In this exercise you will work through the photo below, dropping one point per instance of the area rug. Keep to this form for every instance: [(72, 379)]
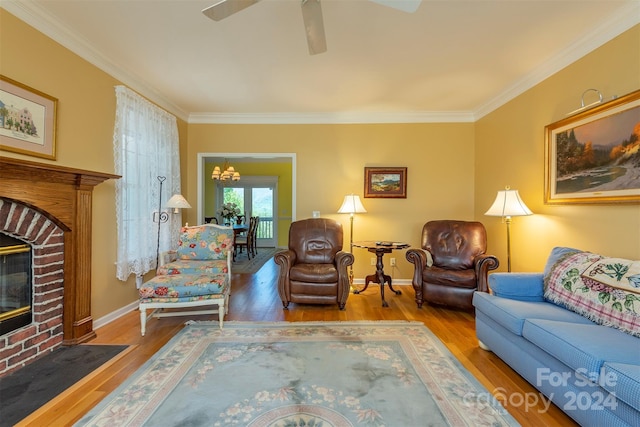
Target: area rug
[(29, 388), (244, 265), (301, 374)]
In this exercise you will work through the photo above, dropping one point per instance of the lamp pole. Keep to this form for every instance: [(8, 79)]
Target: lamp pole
[(351, 248), (351, 205), (507, 220)]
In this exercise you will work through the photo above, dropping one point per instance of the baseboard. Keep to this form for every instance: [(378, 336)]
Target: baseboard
[(105, 320), (399, 282)]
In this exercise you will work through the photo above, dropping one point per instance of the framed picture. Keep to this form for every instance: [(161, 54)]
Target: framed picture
[(27, 120), (594, 156), (388, 183)]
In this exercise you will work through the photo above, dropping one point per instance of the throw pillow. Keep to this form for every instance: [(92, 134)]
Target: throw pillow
[(204, 242), (574, 283), (556, 255)]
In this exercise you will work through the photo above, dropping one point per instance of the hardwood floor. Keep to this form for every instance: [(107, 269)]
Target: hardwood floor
[(255, 298)]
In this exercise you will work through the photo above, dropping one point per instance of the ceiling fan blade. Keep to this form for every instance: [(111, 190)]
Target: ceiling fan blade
[(225, 8), (408, 6), (314, 26)]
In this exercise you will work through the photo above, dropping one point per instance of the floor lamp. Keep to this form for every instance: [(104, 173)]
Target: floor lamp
[(351, 205), (507, 204)]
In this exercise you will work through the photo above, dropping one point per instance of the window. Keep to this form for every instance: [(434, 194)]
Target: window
[(145, 146)]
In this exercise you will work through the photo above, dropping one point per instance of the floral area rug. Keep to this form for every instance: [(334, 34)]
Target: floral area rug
[(301, 374)]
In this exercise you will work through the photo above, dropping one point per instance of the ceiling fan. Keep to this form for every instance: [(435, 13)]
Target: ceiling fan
[(311, 15)]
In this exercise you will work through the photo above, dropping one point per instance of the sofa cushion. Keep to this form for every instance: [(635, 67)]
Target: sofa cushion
[(622, 379), (519, 286), (213, 266), (208, 241), (584, 348), (571, 284), (314, 273), (184, 287), (512, 313), (448, 277)]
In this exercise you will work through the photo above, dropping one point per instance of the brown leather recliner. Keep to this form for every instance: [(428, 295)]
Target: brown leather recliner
[(314, 268), (460, 265)]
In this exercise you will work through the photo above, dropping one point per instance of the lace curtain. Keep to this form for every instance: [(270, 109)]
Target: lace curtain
[(145, 146)]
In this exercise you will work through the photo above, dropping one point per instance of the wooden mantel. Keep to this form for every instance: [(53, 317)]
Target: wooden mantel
[(64, 195)]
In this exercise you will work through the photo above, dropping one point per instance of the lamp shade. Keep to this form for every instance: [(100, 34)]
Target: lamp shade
[(352, 204), (507, 204), (177, 201)]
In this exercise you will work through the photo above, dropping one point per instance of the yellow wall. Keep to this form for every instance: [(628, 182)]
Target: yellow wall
[(454, 170), (510, 151), (86, 115), (330, 164)]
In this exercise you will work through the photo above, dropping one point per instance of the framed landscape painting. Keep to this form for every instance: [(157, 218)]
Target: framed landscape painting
[(594, 156), (27, 120), (385, 182)]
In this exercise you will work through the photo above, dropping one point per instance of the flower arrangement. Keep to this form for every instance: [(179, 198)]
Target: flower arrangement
[(228, 211)]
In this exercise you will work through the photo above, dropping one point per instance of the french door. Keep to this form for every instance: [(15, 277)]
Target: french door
[(255, 196)]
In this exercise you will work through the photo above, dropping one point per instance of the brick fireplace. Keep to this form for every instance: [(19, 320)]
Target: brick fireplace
[(49, 207)]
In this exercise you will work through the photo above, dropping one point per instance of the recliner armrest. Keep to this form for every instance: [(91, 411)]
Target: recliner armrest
[(517, 286), (285, 259), (418, 258), (344, 259)]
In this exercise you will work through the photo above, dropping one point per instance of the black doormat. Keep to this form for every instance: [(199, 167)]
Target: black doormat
[(29, 388)]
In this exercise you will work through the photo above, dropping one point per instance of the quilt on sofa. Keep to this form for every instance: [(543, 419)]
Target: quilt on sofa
[(605, 290)]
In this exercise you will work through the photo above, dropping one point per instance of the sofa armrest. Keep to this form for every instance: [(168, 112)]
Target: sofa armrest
[(517, 286), (483, 264)]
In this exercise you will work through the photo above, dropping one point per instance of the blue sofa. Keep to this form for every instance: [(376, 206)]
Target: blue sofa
[(589, 370)]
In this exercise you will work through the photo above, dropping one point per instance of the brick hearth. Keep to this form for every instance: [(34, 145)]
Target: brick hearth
[(47, 244)]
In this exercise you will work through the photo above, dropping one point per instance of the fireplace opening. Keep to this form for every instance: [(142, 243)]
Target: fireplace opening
[(15, 284)]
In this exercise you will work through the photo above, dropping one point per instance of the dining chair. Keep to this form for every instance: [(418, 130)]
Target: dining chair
[(247, 241), (254, 236)]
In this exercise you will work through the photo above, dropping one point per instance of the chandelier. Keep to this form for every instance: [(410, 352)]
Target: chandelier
[(227, 173)]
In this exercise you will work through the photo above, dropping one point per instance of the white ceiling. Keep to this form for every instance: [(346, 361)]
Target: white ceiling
[(452, 60)]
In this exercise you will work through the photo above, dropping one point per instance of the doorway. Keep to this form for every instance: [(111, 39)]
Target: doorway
[(259, 166), (255, 196)]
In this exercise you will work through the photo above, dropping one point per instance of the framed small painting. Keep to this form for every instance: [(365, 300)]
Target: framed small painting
[(388, 183), (27, 120), (594, 156)]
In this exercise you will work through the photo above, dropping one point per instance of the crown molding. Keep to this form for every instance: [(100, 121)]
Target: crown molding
[(621, 21), (333, 118), (624, 19), (33, 15)]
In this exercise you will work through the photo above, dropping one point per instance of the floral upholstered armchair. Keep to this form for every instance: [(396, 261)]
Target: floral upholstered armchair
[(202, 249), (197, 274)]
